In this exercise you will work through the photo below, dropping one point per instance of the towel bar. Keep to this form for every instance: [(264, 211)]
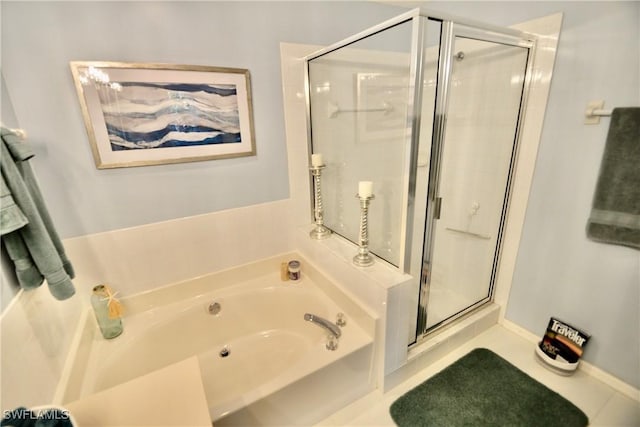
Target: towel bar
[(469, 233), (600, 113), (594, 111), (333, 109)]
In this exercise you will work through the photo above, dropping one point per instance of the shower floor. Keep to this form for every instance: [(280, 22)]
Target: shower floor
[(603, 405)]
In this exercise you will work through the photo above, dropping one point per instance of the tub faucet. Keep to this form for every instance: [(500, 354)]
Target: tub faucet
[(324, 323)]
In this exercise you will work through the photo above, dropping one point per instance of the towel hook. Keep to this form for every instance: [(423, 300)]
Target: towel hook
[(20, 132)]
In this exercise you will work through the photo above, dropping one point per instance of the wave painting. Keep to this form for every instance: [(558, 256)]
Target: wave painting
[(157, 115)]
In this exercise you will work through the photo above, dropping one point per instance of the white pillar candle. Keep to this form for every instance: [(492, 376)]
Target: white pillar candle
[(316, 160), (365, 188)]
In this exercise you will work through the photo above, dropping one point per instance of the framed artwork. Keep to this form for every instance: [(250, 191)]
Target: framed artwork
[(149, 114)]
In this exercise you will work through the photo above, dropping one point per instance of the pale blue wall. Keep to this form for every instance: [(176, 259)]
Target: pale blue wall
[(559, 272), (40, 38)]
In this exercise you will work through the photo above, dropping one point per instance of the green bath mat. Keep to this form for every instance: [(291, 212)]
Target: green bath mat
[(482, 389)]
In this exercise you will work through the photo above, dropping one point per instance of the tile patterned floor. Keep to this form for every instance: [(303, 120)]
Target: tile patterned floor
[(604, 406)]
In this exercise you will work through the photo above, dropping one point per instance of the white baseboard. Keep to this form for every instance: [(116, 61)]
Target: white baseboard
[(612, 381)]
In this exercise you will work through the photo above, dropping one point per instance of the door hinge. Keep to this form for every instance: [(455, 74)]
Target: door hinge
[(437, 207)]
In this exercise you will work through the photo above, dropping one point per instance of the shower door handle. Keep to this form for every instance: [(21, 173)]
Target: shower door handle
[(437, 206)]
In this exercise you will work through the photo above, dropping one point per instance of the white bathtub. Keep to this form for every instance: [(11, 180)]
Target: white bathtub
[(273, 353)]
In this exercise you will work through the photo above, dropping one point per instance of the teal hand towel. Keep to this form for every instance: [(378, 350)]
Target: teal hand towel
[(11, 217), (26, 270), (35, 248), (615, 214)]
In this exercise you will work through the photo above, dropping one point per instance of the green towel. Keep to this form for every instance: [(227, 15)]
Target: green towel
[(11, 217), (615, 214), (35, 248)]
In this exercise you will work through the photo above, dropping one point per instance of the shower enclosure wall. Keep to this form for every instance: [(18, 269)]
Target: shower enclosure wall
[(428, 109)]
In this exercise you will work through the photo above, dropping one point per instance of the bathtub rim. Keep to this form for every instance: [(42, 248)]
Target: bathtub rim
[(172, 292), (70, 385), (108, 355)]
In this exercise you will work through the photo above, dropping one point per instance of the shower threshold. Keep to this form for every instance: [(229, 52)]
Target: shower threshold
[(442, 341)]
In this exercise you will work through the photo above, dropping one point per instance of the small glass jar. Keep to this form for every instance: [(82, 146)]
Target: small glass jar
[(294, 270), (110, 327)]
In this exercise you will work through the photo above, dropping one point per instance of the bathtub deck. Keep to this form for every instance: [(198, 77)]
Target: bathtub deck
[(173, 396), (603, 405)]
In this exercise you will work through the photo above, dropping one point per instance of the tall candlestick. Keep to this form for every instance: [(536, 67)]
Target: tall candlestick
[(364, 259), (319, 231)]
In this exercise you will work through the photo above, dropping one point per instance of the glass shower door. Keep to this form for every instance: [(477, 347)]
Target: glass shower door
[(471, 181)]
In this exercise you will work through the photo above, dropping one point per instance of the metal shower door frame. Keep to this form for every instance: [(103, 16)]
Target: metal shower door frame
[(415, 75), (451, 30), (451, 27)]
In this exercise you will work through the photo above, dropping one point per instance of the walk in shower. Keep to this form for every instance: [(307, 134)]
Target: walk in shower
[(429, 109)]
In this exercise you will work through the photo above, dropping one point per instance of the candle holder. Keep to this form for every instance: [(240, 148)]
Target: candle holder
[(364, 259), (319, 232)]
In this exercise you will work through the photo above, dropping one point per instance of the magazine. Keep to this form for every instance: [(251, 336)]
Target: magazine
[(562, 342)]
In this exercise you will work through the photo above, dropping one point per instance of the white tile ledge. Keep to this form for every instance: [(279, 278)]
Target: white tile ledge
[(381, 272)]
